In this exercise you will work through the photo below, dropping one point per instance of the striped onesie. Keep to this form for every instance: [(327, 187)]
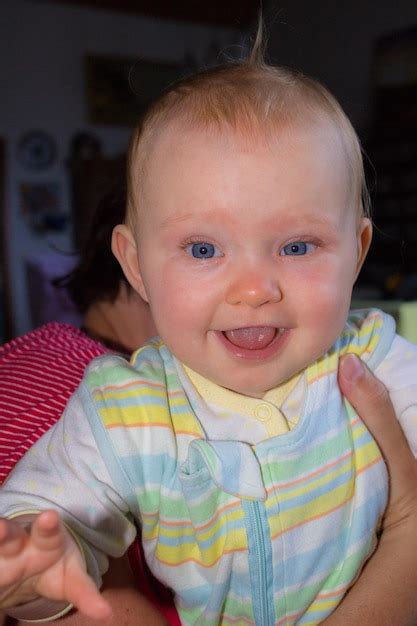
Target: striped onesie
[(267, 532)]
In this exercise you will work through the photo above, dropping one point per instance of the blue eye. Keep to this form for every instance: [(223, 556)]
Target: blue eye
[(203, 250), (297, 248)]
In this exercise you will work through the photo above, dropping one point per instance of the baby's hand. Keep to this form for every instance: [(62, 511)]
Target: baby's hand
[(45, 561)]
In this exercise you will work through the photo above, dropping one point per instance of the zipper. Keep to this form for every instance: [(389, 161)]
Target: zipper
[(260, 564)]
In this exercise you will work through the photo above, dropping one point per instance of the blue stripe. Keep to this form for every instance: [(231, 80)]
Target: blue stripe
[(306, 497), (327, 556)]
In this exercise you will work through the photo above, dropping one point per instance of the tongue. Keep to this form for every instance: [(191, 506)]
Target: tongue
[(252, 338)]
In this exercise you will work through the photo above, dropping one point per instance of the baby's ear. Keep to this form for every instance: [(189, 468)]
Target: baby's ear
[(124, 248), (364, 238)]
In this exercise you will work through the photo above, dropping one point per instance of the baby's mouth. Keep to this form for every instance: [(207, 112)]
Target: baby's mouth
[(252, 337)]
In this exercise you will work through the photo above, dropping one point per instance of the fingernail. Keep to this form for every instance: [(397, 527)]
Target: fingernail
[(352, 367)]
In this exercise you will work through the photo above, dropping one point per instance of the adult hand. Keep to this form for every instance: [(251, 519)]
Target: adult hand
[(386, 591)]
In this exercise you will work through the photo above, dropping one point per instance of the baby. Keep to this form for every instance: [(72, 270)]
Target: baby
[(258, 491)]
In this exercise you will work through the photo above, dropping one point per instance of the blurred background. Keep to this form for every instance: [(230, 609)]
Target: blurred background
[(75, 74)]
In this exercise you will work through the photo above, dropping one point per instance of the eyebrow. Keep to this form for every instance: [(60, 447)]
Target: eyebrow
[(288, 222), (312, 219), (300, 222), (175, 219)]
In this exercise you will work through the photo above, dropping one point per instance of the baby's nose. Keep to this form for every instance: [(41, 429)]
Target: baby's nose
[(254, 289)]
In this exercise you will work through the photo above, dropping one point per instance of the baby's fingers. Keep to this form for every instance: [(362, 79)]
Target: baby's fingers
[(12, 538), (83, 593), (47, 533)]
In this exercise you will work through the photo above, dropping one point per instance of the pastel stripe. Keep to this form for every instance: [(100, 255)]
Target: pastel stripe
[(321, 491)]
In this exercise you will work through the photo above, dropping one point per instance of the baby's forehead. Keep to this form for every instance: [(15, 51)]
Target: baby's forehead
[(179, 137), (246, 104), (185, 164)]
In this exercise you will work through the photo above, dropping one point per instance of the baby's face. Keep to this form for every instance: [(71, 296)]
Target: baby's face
[(248, 251)]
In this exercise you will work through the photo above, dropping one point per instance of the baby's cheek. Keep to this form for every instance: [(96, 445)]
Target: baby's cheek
[(328, 303)]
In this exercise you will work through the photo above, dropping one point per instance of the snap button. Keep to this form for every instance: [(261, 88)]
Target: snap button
[(263, 412)]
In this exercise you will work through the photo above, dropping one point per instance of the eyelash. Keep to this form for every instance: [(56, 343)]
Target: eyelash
[(297, 242), (199, 241)]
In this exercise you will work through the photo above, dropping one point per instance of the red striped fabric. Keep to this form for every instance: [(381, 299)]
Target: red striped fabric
[(38, 373)]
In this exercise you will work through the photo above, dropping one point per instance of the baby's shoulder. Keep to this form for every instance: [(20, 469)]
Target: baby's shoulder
[(146, 366), (398, 370), (369, 333)]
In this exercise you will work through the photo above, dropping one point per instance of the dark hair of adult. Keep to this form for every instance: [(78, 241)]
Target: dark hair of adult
[(98, 274)]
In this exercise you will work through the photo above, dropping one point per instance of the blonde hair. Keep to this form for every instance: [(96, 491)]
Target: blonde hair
[(246, 96)]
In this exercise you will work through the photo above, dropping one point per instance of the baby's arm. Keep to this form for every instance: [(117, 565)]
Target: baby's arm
[(66, 472), (39, 562)]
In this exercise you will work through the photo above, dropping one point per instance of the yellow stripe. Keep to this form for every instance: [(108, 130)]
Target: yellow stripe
[(178, 555), (130, 416), (325, 504), (319, 482)]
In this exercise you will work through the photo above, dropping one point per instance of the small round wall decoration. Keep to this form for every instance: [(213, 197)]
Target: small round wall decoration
[(36, 150)]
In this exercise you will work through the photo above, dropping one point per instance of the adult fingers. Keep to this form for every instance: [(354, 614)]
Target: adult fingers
[(371, 401)]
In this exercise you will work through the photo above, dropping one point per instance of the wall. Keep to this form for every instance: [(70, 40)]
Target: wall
[(41, 54), (41, 68), (333, 41)]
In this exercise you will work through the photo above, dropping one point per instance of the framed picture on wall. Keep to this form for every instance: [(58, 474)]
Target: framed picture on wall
[(41, 204), (119, 88)]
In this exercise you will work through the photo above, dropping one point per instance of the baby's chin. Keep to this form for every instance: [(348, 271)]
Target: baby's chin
[(253, 390)]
